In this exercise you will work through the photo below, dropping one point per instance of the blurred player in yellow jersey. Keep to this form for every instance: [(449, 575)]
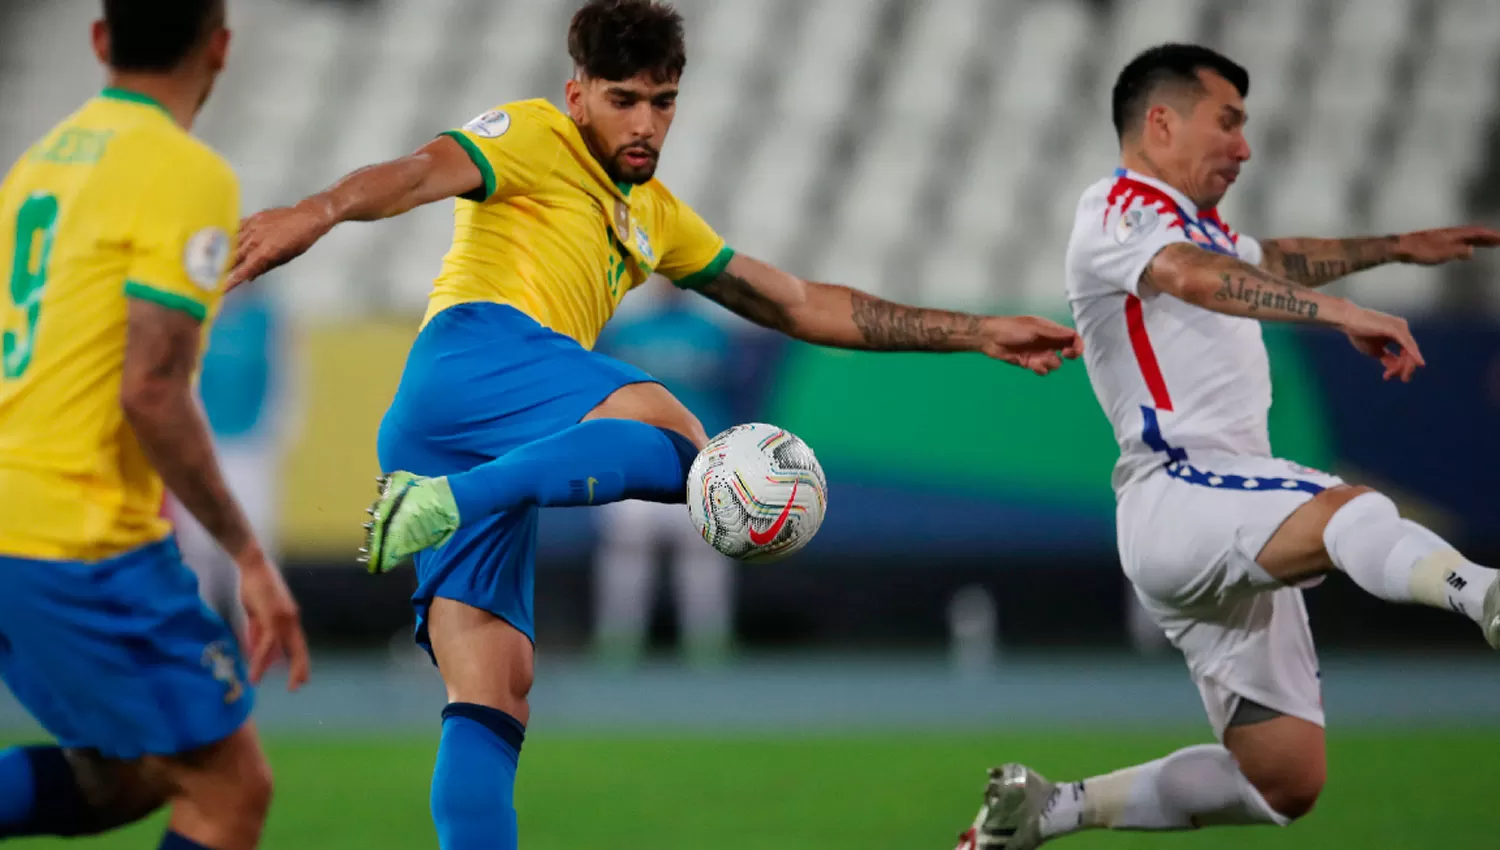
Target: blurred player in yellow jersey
[(503, 406), (116, 229)]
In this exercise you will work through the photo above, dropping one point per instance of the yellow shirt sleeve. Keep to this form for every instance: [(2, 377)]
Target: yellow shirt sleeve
[(695, 254), (183, 236), (513, 147)]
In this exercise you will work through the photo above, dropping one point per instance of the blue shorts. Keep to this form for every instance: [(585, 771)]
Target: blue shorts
[(482, 379), (120, 655)]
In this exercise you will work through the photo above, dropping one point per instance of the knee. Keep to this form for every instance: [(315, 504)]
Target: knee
[(1339, 496), (1293, 794), (257, 786)]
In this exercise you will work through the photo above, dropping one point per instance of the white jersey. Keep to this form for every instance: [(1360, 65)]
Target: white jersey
[(1173, 378)]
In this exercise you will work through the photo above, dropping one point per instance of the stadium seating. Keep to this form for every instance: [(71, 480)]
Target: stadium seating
[(926, 149)]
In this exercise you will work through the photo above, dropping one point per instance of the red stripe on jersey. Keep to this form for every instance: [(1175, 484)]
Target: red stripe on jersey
[(1126, 192), (1145, 355)]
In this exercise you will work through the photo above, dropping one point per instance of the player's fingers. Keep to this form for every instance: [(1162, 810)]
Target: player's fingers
[(1409, 348), (299, 660), (1482, 236), (261, 655)]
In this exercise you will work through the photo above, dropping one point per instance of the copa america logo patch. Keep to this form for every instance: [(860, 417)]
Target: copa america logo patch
[(204, 258), (490, 125), (1136, 223)]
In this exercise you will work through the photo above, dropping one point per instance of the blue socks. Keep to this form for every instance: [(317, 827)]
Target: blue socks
[(473, 785), (17, 792), (37, 793), (173, 841), (591, 463)]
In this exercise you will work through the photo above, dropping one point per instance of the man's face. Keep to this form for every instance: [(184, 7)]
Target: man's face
[(625, 122), (1206, 145)]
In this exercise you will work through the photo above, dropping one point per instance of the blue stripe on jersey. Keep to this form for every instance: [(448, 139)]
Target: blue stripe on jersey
[(1151, 434), (1202, 478)]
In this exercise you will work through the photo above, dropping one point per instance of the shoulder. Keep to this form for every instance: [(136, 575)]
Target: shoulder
[(520, 115), (173, 157), (1120, 213)]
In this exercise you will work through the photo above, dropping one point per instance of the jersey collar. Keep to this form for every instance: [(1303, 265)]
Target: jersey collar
[(128, 96), (1165, 188)]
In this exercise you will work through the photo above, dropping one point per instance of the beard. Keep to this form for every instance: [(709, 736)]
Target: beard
[(623, 172)]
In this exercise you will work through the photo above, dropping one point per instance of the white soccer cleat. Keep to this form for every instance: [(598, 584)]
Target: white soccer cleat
[(1490, 620), (1011, 817)]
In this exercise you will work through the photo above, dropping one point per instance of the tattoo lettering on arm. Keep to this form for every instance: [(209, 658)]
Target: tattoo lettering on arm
[(1314, 262), (1265, 295), (894, 327)]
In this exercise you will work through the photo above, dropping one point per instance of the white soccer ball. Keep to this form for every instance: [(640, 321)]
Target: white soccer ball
[(757, 493)]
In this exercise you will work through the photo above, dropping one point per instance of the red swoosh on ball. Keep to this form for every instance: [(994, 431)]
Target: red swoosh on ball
[(761, 538)]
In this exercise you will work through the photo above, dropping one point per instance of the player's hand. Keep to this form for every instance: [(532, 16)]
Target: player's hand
[(275, 624), (1387, 339), (1443, 245), (274, 237), (1030, 342)]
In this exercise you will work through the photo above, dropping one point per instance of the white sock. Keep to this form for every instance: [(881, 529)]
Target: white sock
[(1400, 561), (1198, 786)]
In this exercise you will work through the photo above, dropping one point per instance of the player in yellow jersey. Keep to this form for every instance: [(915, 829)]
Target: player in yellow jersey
[(558, 218), (116, 230)]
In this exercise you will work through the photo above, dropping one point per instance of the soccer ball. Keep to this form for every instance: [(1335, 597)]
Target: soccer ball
[(757, 493)]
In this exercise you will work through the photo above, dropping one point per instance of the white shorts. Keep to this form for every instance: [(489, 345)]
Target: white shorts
[(1189, 535)]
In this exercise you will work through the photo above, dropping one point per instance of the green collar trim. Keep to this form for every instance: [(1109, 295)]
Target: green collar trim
[(133, 97)]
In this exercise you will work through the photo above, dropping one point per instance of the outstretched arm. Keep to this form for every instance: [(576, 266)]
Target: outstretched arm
[(441, 169), (1233, 287), (1314, 262), (841, 317)]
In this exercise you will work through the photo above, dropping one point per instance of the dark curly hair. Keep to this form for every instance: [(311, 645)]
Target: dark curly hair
[(159, 35), (619, 39)]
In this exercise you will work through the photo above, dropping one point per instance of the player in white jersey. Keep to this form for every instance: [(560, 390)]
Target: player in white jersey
[(1217, 534)]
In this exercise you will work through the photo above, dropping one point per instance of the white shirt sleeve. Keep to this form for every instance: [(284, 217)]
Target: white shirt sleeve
[(1249, 249), (1112, 246)]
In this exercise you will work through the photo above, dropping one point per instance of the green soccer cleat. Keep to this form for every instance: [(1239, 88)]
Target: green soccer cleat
[(1490, 621), (413, 513), (1011, 817)]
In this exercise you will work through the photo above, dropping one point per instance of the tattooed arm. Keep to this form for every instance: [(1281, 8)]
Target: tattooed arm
[(1314, 262), (161, 353), (841, 317), (1226, 285)]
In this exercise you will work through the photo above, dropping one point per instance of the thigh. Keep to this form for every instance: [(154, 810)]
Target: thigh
[(1190, 534), (1258, 648), (483, 379), (121, 656), (489, 565), (483, 659), (652, 404)]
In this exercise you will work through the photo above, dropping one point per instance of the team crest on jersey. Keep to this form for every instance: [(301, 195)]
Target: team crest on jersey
[(1134, 224), (622, 221), (643, 244), (490, 125), (205, 257)]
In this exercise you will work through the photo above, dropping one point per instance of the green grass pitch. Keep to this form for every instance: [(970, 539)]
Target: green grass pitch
[(904, 791)]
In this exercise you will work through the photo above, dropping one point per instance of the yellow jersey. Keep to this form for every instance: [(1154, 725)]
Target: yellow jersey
[(551, 235), (116, 202)]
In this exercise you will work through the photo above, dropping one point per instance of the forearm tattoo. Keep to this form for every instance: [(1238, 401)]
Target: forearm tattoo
[(886, 326), (1261, 294), (1313, 262)]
